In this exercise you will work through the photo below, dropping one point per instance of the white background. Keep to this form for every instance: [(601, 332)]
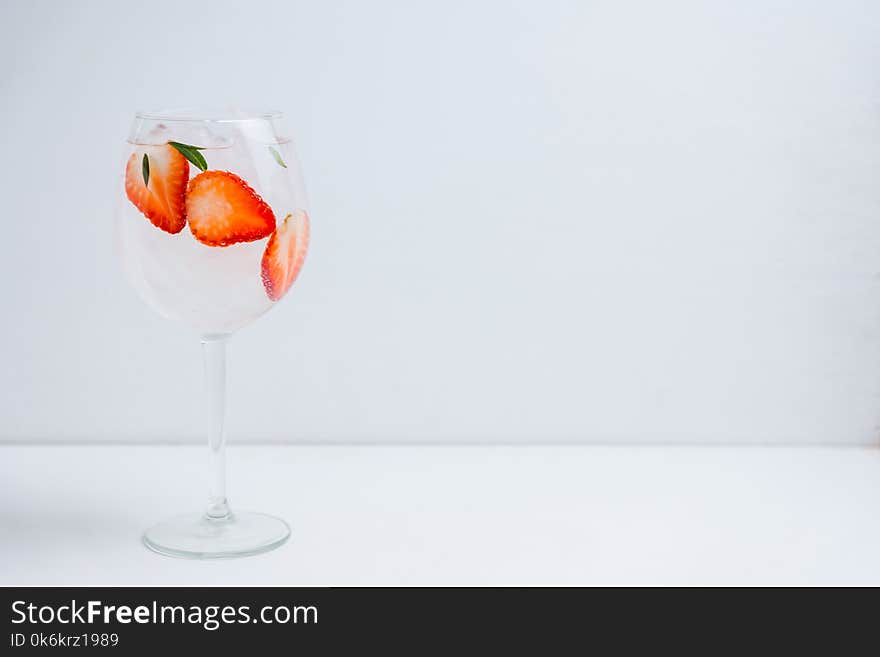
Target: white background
[(532, 221)]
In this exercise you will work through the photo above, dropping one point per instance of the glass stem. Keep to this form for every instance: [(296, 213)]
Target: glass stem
[(215, 379)]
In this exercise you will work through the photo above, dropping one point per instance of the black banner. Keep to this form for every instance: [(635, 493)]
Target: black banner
[(321, 621)]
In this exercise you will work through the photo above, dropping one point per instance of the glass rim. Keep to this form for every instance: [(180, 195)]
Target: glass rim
[(198, 114)]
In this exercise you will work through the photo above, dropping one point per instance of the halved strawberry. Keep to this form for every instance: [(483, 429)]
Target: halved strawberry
[(222, 209), (162, 199), (285, 253)]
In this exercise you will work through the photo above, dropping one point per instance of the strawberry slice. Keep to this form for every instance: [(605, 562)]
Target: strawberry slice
[(222, 209), (161, 200), (285, 253)]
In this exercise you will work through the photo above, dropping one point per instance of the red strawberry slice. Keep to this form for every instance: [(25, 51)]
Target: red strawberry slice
[(222, 209), (285, 253), (162, 199)]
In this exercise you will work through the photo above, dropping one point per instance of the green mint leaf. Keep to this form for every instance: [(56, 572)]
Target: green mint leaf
[(191, 153), (145, 169), (277, 157)]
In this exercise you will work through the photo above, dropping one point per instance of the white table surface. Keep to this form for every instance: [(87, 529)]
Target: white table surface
[(454, 515)]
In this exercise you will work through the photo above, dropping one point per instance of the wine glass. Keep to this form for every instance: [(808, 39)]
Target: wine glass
[(212, 229)]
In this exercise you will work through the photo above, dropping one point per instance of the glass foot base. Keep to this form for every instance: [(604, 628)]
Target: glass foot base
[(196, 536)]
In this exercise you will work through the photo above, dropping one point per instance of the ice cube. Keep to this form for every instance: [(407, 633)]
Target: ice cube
[(204, 134), (158, 134)]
